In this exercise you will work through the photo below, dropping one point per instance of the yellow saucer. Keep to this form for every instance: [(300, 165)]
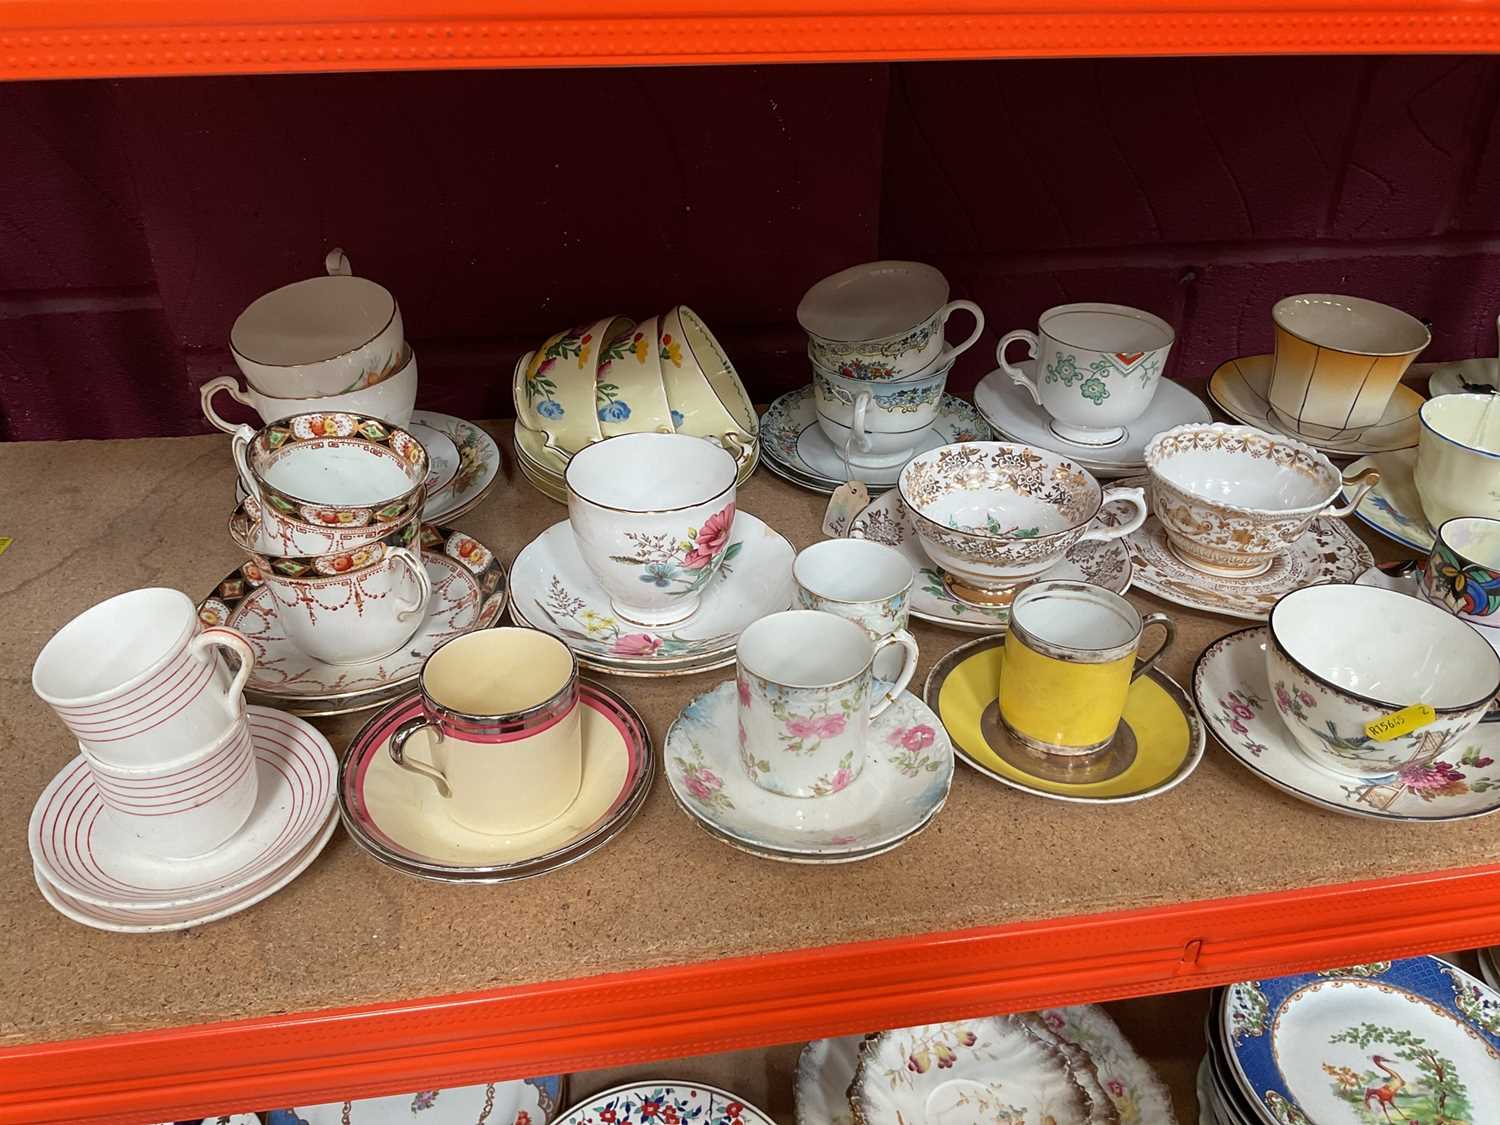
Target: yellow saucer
[(1159, 745)]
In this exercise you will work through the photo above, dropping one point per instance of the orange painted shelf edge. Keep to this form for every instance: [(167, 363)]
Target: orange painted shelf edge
[(116, 38), (742, 1002)]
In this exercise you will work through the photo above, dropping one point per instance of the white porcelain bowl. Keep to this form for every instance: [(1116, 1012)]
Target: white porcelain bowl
[(993, 514), (1233, 498), (1341, 656)]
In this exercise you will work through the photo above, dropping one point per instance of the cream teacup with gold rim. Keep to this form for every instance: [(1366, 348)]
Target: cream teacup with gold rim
[(805, 681), (390, 400), (499, 734), (1458, 457), (1070, 658)]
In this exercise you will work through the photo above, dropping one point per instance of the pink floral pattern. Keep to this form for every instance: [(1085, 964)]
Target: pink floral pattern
[(712, 538), (636, 644), (910, 744)]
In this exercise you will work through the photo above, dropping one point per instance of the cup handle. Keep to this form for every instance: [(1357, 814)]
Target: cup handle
[(404, 556), (908, 668), (1168, 636), (1017, 376), (857, 434), (239, 449), (969, 341), (1132, 496), (337, 263), (219, 636), (734, 444), (1366, 481), (397, 750), (231, 386)]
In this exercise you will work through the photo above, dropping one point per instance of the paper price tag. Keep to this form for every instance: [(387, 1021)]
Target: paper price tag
[(1404, 721), (847, 501)]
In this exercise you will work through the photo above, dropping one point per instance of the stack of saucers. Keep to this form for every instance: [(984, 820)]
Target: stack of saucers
[(1415, 1041), (1070, 1066), (664, 375), (183, 805)]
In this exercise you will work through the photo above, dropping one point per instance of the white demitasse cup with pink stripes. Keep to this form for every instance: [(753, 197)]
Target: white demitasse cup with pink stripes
[(137, 680)]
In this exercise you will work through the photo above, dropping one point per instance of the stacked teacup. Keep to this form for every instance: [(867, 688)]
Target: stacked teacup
[(332, 527), (880, 356), (333, 343)]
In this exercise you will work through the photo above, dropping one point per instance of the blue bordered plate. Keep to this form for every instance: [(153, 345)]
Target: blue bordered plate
[(1415, 1040)]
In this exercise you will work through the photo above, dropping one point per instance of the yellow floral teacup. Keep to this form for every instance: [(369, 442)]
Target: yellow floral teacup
[(629, 397), (555, 392), (706, 396)]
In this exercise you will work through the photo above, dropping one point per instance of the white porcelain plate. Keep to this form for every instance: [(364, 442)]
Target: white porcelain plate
[(1239, 388), (1233, 694), (83, 854), (1327, 552), (796, 447), (554, 590), (887, 521), (1009, 409), (907, 772), (468, 593), (1393, 506), (658, 1103)]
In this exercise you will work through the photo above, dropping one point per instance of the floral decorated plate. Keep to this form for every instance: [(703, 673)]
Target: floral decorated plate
[(908, 770), (1327, 552), (1010, 411), (887, 521), (468, 592), (1393, 506), (1234, 697), (464, 468), (995, 1069), (665, 1103), (792, 440), (554, 590), (1128, 1080), (1416, 1040), (1239, 388), (398, 816), (534, 1101), (1158, 745)]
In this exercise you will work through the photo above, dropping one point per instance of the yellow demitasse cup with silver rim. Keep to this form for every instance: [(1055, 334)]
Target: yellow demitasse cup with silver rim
[(1070, 658)]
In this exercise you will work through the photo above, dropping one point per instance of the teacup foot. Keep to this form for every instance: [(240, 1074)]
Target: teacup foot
[(980, 597), (675, 615), (1110, 760), (1084, 435), (1216, 569)]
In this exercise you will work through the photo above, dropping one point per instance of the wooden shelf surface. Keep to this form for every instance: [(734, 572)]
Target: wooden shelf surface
[(115, 38), (356, 980)]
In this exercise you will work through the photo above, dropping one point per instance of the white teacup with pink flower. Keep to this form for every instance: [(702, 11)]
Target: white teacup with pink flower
[(805, 682), (652, 514)]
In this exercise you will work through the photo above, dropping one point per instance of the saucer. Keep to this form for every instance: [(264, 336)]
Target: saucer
[(1327, 552), (1239, 389), (1010, 411), (399, 818), (887, 521), (1463, 376), (1157, 746), (468, 592), (153, 920), (1393, 507), (908, 769), (1234, 696), (644, 1103), (86, 857), (797, 449), (537, 1098), (465, 463), (555, 591)]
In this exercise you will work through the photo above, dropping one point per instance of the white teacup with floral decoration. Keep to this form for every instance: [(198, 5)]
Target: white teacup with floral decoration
[(881, 424), (652, 514), (806, 681), (355, 615), (863, 581)]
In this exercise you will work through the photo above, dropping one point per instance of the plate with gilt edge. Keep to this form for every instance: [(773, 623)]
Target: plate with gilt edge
[(654, 1103)]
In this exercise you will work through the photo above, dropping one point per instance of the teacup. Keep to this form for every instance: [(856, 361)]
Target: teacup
[(503, 737), (135, 679), (323, 336), (653, 514), (1070, 658), (1458, 457), (1339, 657), (271, 557), (555, 390), (882, 321), (188, 807), (1338, 360), (704, 391), (354, 615), (1097, 367), (390, 400), (1462, 572), (1278, 486), (805, 682), (312, 472), (863, 581), (881, 424), (993, 514), (629, 396)]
